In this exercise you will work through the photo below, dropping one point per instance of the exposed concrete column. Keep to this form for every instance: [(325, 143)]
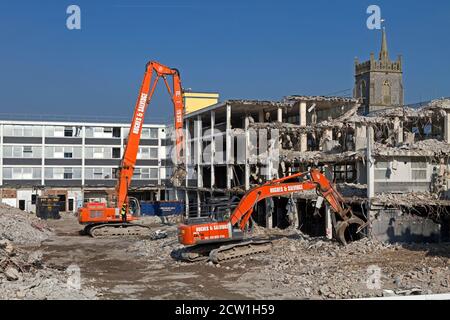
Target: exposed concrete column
[(160, 156), (280, 115), (360, 137), (274, 147), (198, 150), (247, 153), (213, 148), (328, 222), (328, 134), (447, 127), (261, 115), (370, 164), (199, 205), (187, 144), (1, 156), (43, 157), (327, 137), (269, 212), (398, 129), (228, 159), (186, 202), (83, 153), (303, 136)]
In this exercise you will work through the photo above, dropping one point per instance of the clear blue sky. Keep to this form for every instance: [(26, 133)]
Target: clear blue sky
[(241, 49)]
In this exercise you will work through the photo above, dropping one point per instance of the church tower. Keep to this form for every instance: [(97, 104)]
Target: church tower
[(379, 83)]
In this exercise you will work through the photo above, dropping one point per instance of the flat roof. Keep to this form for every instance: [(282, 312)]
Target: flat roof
[(77, 123)]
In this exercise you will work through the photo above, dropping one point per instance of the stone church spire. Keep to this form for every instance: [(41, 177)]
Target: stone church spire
[(384, 53)]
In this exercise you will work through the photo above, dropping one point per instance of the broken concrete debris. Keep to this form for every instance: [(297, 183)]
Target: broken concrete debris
[(23, 273), (21, 227)]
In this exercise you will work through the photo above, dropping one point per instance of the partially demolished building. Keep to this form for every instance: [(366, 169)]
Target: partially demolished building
[(390, 161)]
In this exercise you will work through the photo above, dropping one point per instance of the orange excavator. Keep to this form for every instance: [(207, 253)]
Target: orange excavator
[(205, 239), (101, 220)]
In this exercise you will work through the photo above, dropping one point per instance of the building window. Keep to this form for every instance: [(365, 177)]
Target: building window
[(153, 153), (149, 133), (386, 93), (7, 173), (102, 132), (148, 153), (344, 173), (372, 93), (17, 151), (7, 151), (98, 153), (381, 170), (116, 153), (137, 173), (60, 152), (98, 173), (418, 170), (362, 91), (24, 173), (68, 131), (67, 175), (22, 131), (27, 152), (60, 131), (116, 132), (145, 173), (59, 173)]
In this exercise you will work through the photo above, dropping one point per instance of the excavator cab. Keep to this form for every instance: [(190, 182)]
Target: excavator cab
[(99, 212)]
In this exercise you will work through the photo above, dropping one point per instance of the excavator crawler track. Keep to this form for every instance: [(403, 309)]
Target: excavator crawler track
[(218, 253), (195, 253), (109, 230), (239, 250)]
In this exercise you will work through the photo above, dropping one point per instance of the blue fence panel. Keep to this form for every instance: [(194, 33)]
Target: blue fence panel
[(169, 208)]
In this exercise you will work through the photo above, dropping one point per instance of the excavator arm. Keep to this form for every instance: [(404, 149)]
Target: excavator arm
[(316, 180), (203, 235), (147, 89)]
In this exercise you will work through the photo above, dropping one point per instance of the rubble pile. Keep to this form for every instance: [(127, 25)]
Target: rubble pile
[(24, 276), (21, 227), (407, 199), (426, 148), (305, 268), (158, 249)]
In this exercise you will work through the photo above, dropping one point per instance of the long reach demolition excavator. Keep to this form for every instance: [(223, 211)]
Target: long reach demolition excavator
[(218, 240), (103, 221)]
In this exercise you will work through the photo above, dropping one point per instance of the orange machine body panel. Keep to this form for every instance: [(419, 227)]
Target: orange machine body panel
[(191, 234), (97, 212)]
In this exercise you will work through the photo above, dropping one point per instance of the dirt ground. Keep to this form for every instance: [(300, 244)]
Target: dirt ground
[(297, 268)]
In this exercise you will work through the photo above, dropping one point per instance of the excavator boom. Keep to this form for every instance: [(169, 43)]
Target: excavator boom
[(145, 95), (99, 218)]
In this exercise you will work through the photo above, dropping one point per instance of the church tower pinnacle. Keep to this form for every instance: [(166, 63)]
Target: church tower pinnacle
[(379, 82)]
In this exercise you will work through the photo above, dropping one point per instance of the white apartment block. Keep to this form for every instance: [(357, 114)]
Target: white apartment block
[(76, 161)]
